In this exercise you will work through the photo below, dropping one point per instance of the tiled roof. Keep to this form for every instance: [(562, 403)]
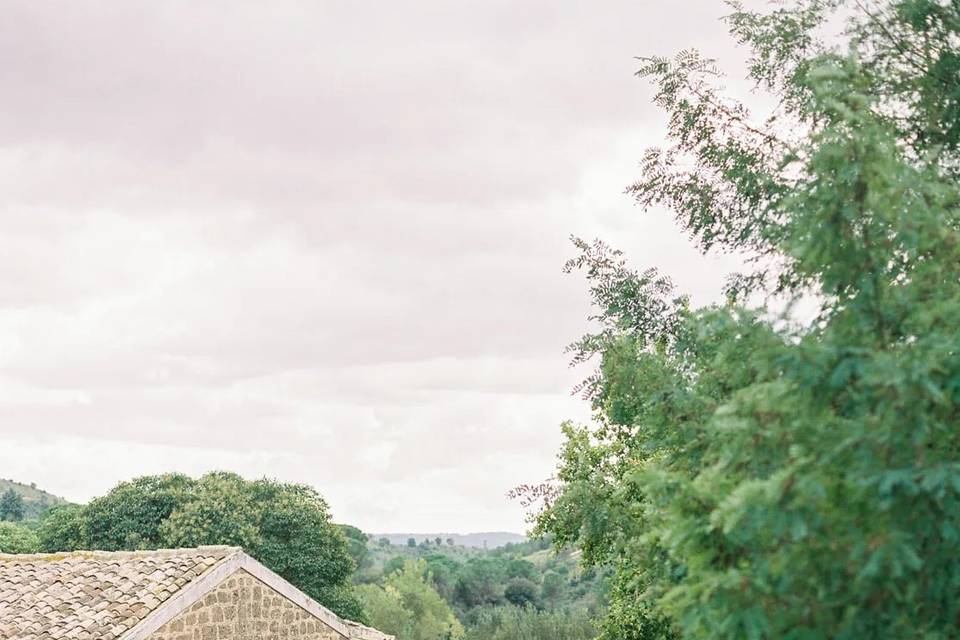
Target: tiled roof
[(93, 595)]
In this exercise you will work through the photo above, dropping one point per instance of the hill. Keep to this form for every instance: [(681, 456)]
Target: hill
[(35, 501), (483, 540)]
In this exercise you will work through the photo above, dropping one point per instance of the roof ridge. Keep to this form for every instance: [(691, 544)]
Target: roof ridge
[(227, 550)]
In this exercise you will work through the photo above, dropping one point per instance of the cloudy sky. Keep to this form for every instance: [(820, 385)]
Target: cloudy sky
[(319, 240)]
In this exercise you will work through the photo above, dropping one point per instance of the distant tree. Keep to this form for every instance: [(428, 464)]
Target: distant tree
[(522, 592), (11, 505), (438, 541), (384, 542), (552, 586), (450, 542), (481, 582), (520, 568), (411, 542), (443, 571), (15, 538), (408, 606), (386, 610), (357, 546), (513, 623), (394, 564)]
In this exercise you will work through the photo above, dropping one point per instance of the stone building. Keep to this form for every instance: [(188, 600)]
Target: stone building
[(207, 593)]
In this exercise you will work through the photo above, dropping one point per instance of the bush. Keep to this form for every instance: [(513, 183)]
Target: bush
[(16, 538), (514, 623)]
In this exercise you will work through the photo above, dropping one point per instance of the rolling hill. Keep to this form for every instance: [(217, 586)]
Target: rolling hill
[(35, 501)]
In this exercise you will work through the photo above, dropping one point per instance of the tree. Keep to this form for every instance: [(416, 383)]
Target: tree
[(522, 592), (438, 541), (287, 527), (520, 568), (61, 529), (481, 582), (512, 623), (749, 475), (15, 538), (357, 547), (411, 542), (220, 509), (11, 505), (386, 611), (449, 542), (552, 586), (131, 514), (443, 571), (408, 607), (394, 564)]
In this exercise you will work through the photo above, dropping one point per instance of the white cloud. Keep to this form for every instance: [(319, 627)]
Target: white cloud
[(320, 242)]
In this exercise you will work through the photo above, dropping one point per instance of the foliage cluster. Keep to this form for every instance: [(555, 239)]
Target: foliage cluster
[(407, 606), (287, 527), (15, 538), (515, 623), (11, 506), (516, 591), (24, 502), (749, 475)]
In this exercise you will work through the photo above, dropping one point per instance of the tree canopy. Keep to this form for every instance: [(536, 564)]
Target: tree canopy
[(750, 475), (408, 606), (287, 527), (15, 538)]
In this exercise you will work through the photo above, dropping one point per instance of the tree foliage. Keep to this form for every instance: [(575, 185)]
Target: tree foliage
[(529, 624), (62, 529), (11, 506), (15, 538), (287, 527), (408, 606), (751, 476)]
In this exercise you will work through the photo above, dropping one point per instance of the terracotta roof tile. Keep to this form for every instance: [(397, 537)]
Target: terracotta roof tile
[(93, 594)]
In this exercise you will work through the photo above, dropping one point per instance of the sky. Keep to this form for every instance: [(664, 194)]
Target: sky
[(320, 241)]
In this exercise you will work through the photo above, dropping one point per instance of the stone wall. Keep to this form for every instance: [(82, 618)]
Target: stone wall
[(244, 608)]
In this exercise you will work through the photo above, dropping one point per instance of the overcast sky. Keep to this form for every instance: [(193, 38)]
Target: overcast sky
[(319, 241)]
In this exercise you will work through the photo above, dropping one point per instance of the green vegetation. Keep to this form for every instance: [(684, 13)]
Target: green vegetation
[(11, 506), (435, 589), (34, 502), (408, 606), (513, 623), (517, 591), (20, 507), (285, 526), (16, 538), (480, 540), (751, 476)]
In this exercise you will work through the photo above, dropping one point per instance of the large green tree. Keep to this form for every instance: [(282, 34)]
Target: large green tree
[(750, 475), (287, 527)]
